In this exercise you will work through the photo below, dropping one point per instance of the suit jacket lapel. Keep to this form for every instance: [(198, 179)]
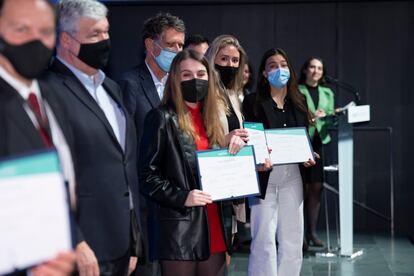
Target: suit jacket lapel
[(56, 108), (148, 86), (311, 105), (184, 143), (77, 88), (20, 117)]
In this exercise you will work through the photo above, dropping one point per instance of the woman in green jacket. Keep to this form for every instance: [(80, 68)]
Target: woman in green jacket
[(320, 101)]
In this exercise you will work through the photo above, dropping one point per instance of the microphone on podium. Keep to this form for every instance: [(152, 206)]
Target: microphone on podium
[(346, 86)]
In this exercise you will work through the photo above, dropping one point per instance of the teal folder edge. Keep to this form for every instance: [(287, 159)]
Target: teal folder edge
[(295, 128), (48, 158)]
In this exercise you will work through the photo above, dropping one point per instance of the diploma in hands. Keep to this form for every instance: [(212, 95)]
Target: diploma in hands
[(34, 211), (227, 176), (288, 145), (257, 138)]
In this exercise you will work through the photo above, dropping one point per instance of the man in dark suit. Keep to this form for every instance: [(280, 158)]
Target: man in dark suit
[(143, 87), (105, 147), (31, 117)]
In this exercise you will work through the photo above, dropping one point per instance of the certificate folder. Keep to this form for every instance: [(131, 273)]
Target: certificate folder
[(289, 145), (34, 211), (257, 138), (227, 176)]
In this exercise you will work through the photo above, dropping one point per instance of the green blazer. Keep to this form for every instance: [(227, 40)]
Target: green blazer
[(326, 103)]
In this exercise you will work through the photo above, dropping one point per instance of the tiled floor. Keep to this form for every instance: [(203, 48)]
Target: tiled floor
[(382, 256)]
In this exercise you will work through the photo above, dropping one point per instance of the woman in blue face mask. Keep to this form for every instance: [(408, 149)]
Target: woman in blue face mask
[(279, 211)]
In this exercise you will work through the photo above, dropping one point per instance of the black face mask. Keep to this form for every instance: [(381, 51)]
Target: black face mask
[(194, 90), (96, 55), (227, 74), (29, 59)]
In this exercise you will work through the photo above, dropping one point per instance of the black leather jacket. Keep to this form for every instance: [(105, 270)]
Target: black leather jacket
[(167, 173)]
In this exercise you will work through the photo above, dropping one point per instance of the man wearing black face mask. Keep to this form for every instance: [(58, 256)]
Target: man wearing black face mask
[(31, 117), (107, 186)]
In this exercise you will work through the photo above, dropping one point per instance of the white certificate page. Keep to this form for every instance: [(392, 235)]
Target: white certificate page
[(226, 176), (34, 212), (257, 139), (289, 145)]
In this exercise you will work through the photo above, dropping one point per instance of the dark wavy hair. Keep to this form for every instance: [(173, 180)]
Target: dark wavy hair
[(302, 76), (156, 25), (263, 86)]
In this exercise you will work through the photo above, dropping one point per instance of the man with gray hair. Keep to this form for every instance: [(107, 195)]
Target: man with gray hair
[(142, 88), (105, 141)]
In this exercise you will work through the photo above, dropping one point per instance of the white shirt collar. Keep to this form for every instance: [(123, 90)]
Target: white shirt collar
[(94, 80), (21, 87), (156, 81)]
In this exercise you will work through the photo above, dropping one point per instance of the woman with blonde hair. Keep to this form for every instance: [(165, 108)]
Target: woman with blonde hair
[(228, 58), (194, 233)]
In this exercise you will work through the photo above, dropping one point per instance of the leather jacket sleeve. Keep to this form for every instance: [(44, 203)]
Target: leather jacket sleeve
[(153, 182)]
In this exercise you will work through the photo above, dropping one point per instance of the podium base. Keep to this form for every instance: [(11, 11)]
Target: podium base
[(355, 253), (337, 254)]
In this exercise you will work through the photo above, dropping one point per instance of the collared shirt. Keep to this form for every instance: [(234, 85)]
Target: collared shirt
[(59, 140), (159, 84), (109, 106), (284, 117)]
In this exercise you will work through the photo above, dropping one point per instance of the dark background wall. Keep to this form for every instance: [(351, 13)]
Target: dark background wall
[(368, 44)]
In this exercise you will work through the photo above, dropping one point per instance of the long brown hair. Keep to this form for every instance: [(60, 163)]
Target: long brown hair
[(173, 98), (263, 86)]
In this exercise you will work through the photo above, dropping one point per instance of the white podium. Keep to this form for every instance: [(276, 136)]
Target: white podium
[(352, 114)]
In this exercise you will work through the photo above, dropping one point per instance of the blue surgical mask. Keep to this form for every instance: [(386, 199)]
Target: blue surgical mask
[(165, 58), (278, 78)]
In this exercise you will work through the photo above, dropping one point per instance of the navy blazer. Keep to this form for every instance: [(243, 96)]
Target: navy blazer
[(104, 170), (139, 94)]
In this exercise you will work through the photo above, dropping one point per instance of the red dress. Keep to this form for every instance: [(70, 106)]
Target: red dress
[(217, 243)]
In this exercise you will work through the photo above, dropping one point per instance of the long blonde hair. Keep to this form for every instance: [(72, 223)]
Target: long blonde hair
[(236, 85), (173, 98)]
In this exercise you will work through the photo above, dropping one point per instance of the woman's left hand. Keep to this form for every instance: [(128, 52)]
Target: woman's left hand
[(320, 113), (236, 143), (311, 162)]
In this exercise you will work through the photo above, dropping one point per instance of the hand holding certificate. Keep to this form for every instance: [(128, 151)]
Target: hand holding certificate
[(257, 138), (287, 145), (226, 176)]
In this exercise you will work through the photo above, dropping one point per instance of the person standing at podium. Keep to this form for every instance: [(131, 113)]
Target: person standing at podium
[(320, 101)]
